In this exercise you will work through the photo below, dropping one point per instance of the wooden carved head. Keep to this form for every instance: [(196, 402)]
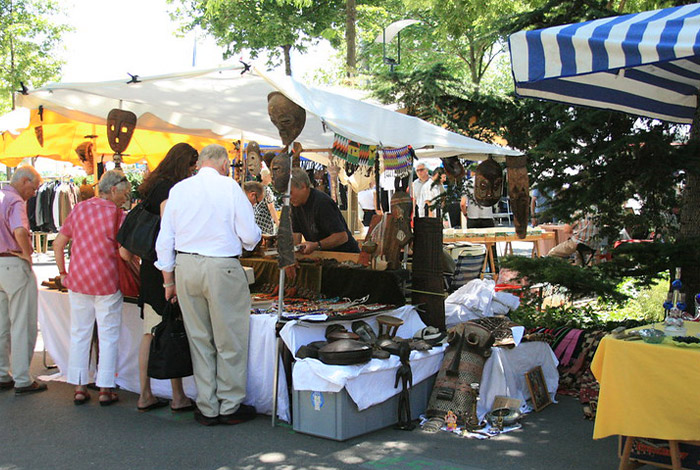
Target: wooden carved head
[(120, 129), (288, 117)]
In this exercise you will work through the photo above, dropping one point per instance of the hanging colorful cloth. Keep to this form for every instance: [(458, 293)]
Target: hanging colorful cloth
[(354, 152), (398, 162)]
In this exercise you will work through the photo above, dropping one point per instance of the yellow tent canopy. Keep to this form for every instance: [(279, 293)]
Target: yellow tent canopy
[(61, 135)]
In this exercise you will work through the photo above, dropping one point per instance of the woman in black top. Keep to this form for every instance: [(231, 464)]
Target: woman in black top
[(178, 164)]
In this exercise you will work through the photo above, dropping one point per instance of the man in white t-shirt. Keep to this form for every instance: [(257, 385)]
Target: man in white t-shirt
[(423, 177)]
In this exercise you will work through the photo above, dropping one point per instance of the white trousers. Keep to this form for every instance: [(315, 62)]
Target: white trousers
[(84, 310), (18, 313)]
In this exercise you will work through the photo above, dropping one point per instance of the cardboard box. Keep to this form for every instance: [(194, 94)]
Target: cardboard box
[(335, 415)]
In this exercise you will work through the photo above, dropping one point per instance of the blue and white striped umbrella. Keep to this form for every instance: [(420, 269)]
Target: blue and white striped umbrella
[(646, 64)]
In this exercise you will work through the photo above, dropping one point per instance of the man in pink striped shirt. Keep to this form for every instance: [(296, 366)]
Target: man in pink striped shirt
[(18, 292)]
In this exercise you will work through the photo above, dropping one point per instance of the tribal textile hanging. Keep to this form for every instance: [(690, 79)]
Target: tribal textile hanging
[(354, 152), (398, 162)]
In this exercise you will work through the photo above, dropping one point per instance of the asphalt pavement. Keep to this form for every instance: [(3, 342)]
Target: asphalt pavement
[(47, 431)]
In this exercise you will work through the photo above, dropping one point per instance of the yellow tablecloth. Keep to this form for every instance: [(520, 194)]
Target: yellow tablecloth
[(648, 390)]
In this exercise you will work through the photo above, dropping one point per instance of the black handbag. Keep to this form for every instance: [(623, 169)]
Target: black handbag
[(169, 356), (139, 231)]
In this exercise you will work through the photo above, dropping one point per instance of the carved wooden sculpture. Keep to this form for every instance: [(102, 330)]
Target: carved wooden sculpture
[(120, 129), (288, 117), (280, 168), (253, 159), (488, 183), (519, 193)]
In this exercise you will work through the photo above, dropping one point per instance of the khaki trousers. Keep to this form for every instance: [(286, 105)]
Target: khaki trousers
[(215, 301), (18, 318)]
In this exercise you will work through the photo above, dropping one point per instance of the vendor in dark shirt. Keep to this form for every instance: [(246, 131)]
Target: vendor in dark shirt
[(317, 217)]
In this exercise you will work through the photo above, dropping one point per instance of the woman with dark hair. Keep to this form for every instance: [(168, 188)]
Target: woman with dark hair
[(432, 189), (179, 163)]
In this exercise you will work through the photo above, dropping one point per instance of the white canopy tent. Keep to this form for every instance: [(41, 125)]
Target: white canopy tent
[(231, 103)]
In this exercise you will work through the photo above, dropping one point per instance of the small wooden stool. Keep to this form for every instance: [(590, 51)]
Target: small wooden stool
[(627, 464), (388, 326)]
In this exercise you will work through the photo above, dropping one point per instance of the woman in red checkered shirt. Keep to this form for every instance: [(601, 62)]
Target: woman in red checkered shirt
[(93, 284)]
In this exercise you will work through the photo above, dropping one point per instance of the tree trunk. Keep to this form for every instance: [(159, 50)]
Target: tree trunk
[(690, 215), (287, 60), (350, 19)]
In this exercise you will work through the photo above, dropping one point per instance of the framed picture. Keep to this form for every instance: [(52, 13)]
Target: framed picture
[(538, 388)]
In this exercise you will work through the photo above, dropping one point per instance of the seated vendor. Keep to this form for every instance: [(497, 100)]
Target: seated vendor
[(317, 217)]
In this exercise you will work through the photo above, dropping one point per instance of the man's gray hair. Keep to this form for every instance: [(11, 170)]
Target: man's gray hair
[(111, 179), (300, 178), (25, 171), (213, 152)]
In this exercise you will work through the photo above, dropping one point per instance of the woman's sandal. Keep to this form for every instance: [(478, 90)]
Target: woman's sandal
[(112, 398), (84, 397)]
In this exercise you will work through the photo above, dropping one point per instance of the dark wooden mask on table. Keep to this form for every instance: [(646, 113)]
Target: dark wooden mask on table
[(288, 117), (253, 159), (280, 169), (120, 129), (488, 183)]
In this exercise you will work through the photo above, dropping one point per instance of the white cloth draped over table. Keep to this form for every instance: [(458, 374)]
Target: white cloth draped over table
[(367, 384), (504, 373), (373, 382), (54, 318)]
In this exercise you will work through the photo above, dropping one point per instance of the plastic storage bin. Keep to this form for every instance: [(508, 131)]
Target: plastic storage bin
[(335, 415)]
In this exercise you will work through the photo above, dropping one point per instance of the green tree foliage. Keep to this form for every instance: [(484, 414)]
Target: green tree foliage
[(275, 27), (29, 38)]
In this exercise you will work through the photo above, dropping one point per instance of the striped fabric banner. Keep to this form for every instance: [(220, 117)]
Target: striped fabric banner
[(354, 152), (647, 64), (398, 162)]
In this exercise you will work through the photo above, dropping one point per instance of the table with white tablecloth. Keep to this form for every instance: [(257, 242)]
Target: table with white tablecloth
[(54, 318), (372, 383), (367, 384)]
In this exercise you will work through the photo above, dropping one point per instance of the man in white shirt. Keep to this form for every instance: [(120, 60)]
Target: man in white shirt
[(206, 223), (423, 177)]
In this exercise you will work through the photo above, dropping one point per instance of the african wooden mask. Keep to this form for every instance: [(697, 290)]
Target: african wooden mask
[(401, 206), (519, 192), (120, 129), (253, 159), (488, 183), (288, 117), (280, 172)]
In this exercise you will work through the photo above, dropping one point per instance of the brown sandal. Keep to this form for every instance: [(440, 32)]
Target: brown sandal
[(111, 398), (81, 393)]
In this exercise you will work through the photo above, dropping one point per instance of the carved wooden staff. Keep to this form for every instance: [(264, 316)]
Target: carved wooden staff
[(519, 192)]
